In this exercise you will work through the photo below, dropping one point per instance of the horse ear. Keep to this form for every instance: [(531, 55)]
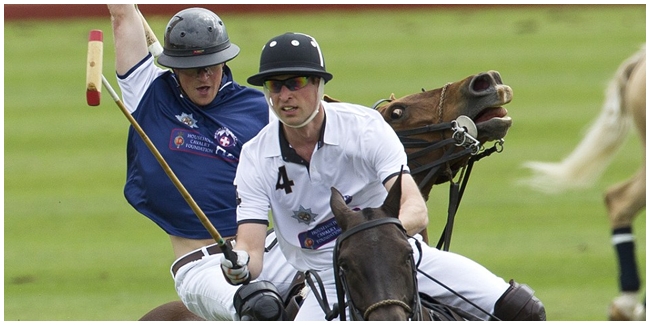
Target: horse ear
[(339, 208), (392, 202), (392, 96)]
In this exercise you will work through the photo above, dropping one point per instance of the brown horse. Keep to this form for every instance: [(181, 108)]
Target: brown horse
[(430, 125), (388, 292), (373, 237), (419, 119), (624, 104), (438, 142)]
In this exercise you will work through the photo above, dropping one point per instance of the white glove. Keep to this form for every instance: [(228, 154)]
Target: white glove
[(237, 274)]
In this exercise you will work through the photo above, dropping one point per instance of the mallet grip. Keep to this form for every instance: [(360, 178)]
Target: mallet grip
[(152, 41), (94, 67)]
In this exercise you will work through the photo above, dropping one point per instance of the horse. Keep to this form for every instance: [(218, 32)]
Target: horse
[(443, 130), (624, 105), (375, 272)]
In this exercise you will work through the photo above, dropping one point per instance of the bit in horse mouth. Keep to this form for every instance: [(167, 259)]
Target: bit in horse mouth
[(489, 113)]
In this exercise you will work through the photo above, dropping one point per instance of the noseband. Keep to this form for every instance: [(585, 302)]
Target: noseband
[(342, 287)]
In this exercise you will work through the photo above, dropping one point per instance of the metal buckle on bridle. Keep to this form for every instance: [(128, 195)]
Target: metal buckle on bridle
[(464, 137)]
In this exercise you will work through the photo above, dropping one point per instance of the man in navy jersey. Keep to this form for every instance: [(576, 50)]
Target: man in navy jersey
[(198, 117)]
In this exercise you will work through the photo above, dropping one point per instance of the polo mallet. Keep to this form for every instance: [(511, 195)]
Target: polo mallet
[(93, 93)]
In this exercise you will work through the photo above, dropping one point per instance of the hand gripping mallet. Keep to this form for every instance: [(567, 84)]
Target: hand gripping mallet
[(92, 95)]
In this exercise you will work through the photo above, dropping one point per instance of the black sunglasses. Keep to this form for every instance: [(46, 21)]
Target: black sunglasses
[(293, 84)]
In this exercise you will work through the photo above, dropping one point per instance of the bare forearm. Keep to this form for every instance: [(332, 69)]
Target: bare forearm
[(413, 209), (128, 35), (413, 216), (251, 238)]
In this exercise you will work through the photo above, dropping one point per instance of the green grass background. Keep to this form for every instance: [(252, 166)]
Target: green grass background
[(75, 250)]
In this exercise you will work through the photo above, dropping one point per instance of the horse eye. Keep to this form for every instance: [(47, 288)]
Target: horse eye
[(397, 113), (343, 266), (409, 256)]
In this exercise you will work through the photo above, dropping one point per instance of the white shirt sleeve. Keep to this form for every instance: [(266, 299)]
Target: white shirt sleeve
[(253, 201), (384, 148), (136, 82)]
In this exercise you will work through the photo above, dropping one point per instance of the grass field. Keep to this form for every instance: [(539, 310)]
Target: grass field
[(75, 250)]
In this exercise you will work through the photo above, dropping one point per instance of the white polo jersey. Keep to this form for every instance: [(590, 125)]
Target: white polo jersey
[(357, 152)]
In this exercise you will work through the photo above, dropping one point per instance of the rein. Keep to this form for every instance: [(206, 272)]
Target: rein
[(460, 138)]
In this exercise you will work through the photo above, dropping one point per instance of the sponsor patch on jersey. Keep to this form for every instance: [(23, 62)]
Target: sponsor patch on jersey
[(196, 143), (320, 235), (188, 120)]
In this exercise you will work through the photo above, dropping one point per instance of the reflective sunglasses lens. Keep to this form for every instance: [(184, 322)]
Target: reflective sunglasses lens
[(270, 85), (293, 84), (296, 83)]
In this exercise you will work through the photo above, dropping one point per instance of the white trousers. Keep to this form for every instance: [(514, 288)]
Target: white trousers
[(466, 277), (204, 290)]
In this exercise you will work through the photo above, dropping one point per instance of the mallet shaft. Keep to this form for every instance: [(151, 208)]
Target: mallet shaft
[(170, 173)]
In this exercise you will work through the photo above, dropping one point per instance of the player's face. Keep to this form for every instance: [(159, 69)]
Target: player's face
[(294, 98), (201, 84)]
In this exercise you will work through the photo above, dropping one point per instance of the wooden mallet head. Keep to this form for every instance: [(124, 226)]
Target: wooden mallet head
[(94, 67)]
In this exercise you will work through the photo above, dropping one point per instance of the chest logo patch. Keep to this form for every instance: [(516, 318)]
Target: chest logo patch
[(304, 215), (188, 120), (225, 138), (198, 144)]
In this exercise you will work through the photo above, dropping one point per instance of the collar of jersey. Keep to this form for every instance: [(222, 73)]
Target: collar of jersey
[(328, 136)]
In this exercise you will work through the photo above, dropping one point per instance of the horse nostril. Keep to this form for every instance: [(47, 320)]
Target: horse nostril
[(481, 82), (496, 76)]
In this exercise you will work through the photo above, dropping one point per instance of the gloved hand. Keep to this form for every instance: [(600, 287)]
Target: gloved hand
[(236, 274)]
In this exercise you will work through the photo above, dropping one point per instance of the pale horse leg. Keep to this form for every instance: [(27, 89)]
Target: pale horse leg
[(624, 202)]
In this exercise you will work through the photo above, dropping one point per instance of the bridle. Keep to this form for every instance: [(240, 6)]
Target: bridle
[(461, 137), (342, 287), (416, 311)]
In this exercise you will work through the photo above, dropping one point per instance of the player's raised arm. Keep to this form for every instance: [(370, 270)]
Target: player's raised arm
[(130, 41)]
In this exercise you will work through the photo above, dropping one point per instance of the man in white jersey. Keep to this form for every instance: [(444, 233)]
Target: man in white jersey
[(291, 165)]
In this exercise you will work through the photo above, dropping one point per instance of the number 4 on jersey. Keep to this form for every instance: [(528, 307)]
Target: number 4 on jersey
[(283, 180)]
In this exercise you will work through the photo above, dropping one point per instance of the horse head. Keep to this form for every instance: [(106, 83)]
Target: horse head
[(373, 261), (478, 97)]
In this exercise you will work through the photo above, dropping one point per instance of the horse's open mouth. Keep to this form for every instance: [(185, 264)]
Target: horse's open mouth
[(490, 113), (492, 123)]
